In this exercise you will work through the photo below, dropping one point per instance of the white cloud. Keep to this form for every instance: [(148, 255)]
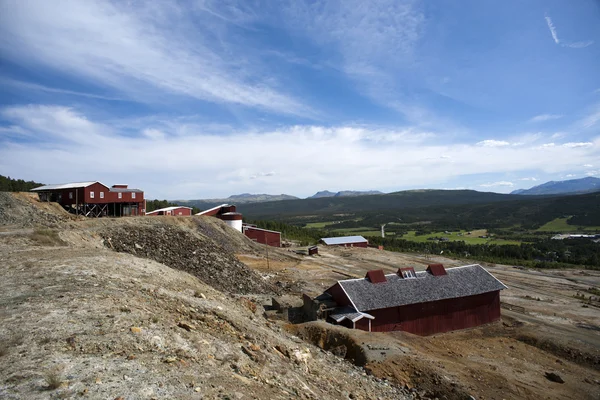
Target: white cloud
[(153, 133), (67, 145), (144, 50), (570, 176), (592, 173), (579, 144), (529, 179), (554, 33), (587, 165), (545, 117), (497, 184), (493, 143)]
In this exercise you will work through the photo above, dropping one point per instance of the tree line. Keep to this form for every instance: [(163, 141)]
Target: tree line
[(156, 204), (7, 184)]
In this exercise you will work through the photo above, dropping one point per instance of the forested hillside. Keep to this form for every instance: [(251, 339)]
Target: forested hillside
[(7, 184), (441, 209)]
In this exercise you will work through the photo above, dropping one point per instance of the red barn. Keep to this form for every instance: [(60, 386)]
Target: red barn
[(346, 241), (94, 199), (427, 302), (264, 236), (174, 210)]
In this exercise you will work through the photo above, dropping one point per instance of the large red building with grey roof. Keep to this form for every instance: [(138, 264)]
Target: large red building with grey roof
[(426, 302)]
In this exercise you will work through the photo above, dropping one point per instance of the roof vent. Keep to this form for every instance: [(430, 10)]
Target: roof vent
[(376, 276), (436, 269), (120, 186), (407, 273)]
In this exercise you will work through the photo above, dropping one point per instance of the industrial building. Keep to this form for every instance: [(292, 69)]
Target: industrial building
[(426, 302), (174, 210), (346, 241), (264, 236), (94, 199), (227, 213)]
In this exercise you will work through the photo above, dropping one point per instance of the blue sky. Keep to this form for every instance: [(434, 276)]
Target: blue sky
[(203, 99)]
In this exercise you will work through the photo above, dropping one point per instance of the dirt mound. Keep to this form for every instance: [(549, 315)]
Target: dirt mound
[(24, 210), (92, 323), (182, 249), (338, 340)]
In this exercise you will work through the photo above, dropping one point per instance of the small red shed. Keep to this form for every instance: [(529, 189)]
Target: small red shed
[(264, 236), (426, 302), (174, 210)]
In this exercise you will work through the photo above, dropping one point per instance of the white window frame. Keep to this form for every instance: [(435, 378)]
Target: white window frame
[(71, 195), (91, 195), (120, 195), (133, 195), (101, 195)]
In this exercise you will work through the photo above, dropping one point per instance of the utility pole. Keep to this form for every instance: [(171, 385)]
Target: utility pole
[(267, 250)]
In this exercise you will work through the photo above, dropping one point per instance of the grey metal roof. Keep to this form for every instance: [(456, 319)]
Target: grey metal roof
[(343, 239), (167, 209), (213, 209), (123, 190), (464, 281), (341, 313), (66, 186)]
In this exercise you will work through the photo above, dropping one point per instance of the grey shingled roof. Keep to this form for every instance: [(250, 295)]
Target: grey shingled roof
[(464, 281)]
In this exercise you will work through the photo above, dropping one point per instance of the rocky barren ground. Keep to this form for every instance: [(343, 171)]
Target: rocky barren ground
[(143, 308), (80, 320)]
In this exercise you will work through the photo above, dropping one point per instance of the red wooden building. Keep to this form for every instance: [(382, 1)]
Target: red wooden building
[(264, 236), (427, 302), (94, 199), (174, 210), (346, 241)]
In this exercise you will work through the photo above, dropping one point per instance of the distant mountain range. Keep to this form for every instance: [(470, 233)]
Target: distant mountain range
[(246, 198), (343, 193), (573, 186)]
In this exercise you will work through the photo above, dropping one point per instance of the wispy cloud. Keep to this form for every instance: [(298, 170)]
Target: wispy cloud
[(545, 117), (497, 184), (370, 42), (493, 143), (143, 51), (560, 42), (42, 88), (552, 29), (528, 179), (591, 119), (578, 145), (63, 140)]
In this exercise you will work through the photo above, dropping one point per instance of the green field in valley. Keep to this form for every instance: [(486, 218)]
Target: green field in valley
[(560, 225), (473, 238)]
